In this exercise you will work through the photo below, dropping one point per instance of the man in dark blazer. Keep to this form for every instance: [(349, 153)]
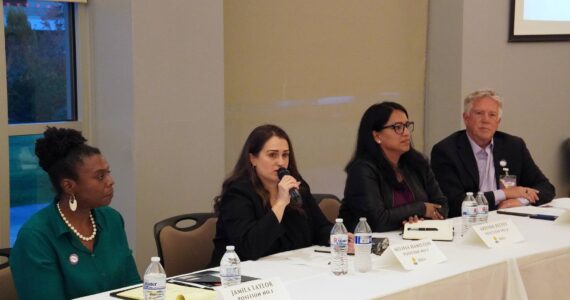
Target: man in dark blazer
[(472, 160)]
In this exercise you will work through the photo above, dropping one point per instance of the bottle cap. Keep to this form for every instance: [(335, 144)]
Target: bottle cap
[(155, 259), (230, 247), (338, 220), (506, 169), (362, 219), (469, 193)]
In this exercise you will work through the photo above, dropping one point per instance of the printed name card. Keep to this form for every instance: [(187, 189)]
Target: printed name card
[(416, 254), (499, 233), (255, 290)]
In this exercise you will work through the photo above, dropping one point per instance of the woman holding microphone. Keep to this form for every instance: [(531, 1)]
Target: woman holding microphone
[(255, 211)]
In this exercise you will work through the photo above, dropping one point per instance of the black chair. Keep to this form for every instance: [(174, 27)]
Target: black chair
[(5, 252), (329, 205), (7, 287), (185, 248), (565, 156)]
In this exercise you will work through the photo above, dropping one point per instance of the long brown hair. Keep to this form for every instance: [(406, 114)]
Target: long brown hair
[(244, 170)]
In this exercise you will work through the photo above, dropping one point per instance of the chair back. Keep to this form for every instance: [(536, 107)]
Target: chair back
[(183, 249), (7, 287), (329, 205), (565, 160)]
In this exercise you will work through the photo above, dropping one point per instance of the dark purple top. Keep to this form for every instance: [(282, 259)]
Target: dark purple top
[(402, 195)]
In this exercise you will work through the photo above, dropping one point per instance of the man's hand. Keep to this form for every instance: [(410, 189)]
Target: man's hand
[(521, 192), (510, 203)]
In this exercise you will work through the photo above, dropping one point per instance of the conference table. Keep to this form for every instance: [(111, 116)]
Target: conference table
[(536, 268)]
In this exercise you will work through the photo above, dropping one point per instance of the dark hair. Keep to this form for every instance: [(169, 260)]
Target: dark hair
[(243, 170), (374, 119), (60, 151)]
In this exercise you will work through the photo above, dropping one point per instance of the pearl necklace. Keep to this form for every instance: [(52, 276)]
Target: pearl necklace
[(87, 239)]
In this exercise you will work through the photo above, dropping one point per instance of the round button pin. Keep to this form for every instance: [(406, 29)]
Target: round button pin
[(73, 259)]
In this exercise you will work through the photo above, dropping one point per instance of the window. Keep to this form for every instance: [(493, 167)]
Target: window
[(30, 188), (41, 89), (40, 63)]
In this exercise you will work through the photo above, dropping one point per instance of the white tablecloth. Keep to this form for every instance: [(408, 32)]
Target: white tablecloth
[(472, 271)]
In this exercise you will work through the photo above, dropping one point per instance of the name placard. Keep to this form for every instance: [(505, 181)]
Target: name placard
[(416, 254), (498, 233), (255, 290)]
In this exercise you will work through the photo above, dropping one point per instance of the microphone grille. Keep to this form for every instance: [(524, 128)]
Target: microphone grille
[(282, 172)]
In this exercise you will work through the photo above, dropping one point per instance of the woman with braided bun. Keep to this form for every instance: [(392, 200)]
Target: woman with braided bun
[(76, 246)]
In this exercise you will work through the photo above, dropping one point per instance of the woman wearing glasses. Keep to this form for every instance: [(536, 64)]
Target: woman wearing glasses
[(388, 181)]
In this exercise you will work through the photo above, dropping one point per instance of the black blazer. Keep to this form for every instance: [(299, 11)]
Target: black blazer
[(368, 194), (456, 170), (254, 230)]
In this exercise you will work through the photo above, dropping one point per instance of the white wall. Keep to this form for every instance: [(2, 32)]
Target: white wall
[(158, 108), (443, 70), (112, 100), (533, 78)]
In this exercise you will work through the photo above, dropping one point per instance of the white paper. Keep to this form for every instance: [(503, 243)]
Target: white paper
[(413, 255), (564, 218), (498, 233), (535, 210), (560, 203), (255, 290)]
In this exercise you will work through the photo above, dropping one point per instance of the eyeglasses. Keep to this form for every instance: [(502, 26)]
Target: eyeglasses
[(399, 127)]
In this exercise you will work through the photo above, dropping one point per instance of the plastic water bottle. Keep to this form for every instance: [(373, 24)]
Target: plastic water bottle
[(339, 248), (362, 246), (468, 213), (230, 271), (482, 208), (154, 287)]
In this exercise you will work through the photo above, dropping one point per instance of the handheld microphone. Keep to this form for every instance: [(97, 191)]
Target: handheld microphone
[(293, 192)]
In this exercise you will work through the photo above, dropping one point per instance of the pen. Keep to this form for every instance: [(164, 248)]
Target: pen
[(543, 217), (423, 229), (191, 284), (512, 213), (328, 251)]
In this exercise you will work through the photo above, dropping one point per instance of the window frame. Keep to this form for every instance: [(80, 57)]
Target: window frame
[(82, 79)]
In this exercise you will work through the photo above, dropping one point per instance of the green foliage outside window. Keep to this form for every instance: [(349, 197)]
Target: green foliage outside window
[(39, 66)]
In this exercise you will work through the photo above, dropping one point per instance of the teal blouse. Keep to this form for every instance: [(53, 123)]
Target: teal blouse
[(49, 262)]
